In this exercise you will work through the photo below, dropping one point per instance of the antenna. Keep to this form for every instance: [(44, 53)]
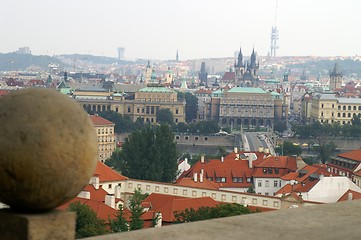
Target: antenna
[(274, 35)]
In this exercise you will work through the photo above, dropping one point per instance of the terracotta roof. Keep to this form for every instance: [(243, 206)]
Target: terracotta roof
[(227, 169), (102, 210), (353, 155), (355, 195), (167, 204), (284, 164), (189, 182), (106, 174), (357, 173), (99, 121), (95, 194), (229, 76)]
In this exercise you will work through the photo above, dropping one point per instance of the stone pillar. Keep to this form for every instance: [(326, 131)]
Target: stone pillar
[(39, 226)]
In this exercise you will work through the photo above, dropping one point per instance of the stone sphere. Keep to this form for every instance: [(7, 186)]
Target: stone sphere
[(48, 149)]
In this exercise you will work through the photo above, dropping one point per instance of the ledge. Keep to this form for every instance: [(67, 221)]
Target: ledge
[(326, 221)]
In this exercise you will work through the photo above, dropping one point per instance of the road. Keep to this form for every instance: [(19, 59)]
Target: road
[(259, 139)]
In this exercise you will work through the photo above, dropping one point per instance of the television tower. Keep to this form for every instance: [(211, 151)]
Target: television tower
[(274, 36)]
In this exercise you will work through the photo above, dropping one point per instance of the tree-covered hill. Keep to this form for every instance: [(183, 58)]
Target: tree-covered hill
[(20, 62)]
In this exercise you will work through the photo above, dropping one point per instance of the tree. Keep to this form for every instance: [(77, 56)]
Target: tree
[(87, 223), (191, 107), (120, 224), (150, 154), (165, 115), (203, 213), (289, 149), (325, 150), (136, 210), (251, 189)]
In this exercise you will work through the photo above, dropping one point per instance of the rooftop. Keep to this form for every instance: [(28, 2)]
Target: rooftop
[(246, 90)]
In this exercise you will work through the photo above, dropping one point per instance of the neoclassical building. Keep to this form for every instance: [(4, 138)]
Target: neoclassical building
[(328, 108), (106, 136), (144, 104), (246, 106)]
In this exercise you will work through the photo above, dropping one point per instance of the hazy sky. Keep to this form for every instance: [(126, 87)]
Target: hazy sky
[(155, 29)]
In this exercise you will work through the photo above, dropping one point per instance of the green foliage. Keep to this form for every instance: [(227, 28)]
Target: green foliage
[(122, 123), (191, 108), (204, 213), (155, 219), (325, 151), (288, 149), (319, 130), (251, 189), (280, 126), (120, 224), (136, 210), (165, 115), (87, 223), (150, 154)]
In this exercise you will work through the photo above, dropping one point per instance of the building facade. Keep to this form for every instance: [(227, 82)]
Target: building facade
[(144, 104), (246, 106), (106, 136), (327, 108)]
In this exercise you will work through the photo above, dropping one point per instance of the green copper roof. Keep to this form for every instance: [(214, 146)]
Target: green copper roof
[(217, 93), (246, 90), (156, 89), (272, 80)]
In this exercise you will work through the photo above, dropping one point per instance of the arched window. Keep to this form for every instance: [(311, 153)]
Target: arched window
[(344, 107), (343, 114), (349, 107)]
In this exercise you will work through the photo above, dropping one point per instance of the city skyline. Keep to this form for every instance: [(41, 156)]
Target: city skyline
[(197, 29)]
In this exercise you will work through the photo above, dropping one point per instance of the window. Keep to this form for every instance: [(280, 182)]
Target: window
[(128, 109), (248, 179), (275, 183), (176, 111), (157, 188), (269, 170), (266, 193), (322, 105), (277, 171), (109, 186), (259, 183), (265, 170), (237, 179), (344, 108), (349, 107), (338, 114), (267, 183)]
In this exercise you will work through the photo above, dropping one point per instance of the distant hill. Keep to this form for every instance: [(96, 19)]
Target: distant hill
[(349, 67), (93, 59), (21, 62)]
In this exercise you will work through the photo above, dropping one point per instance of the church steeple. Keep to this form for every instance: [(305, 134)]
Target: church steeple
[(240, 58), (253, 58)]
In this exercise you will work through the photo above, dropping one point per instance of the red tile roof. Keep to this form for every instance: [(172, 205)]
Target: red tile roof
[(99, 121), (106, 174), (284, 164), (230, 168), (355, 196), (167, 204), (189, 182), (229, 76), (102, 210), (352, 155), (95, 194)]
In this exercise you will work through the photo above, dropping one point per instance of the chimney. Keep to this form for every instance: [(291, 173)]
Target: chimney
[(201, 177), (195, 177), (235, 149), (222, 159), (202, 171), (249, 161), (237, 156), (266, 150), (186, 161), (349, 196), (110, 200), (202, 158), (117, 191), (84, 194), (95, 181), (260, 149)]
